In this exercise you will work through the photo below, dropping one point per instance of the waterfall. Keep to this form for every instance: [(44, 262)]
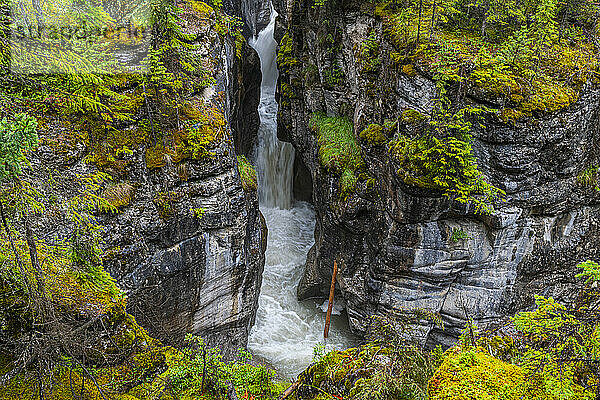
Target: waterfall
[(275, 159), (286, 330)]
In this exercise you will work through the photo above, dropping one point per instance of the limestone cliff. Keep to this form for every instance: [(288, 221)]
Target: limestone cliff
[(185, 241), (400, 246)]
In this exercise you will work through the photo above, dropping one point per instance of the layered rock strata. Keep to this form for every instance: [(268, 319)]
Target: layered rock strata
[(396, 244)]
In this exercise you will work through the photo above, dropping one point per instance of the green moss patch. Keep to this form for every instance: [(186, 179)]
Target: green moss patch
[(338, 148)]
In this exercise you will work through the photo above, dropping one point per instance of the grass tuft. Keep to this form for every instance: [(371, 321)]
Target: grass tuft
[(338, 148), (248, 174)]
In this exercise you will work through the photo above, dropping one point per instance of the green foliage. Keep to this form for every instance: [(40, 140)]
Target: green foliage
[(199, 212), (369, 54), (563, 344), (338, 149), (197, 370), (284, 55), (442, 159), (333, 77), (525, 54), (591, 271), (117, 113), (318, 352), (590, 177), (247, 173), (17, 136), (458, 234)]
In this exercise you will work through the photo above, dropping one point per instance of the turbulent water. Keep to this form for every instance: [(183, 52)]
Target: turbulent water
[(286, 330)]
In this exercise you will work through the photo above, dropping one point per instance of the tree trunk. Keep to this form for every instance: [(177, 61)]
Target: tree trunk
[(432, 20), (419, 26), (12, 245)]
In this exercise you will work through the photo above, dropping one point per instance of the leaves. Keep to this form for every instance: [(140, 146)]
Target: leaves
[(563, 344), (442, 159)]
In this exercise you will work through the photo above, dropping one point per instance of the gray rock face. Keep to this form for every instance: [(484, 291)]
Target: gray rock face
[(394, 243), (255, 14), (188, 249)]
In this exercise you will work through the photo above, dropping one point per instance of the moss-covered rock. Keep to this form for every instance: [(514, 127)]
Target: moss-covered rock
[(473, 374)]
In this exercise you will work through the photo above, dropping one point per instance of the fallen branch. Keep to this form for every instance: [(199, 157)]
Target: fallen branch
[(289, 391), (330, 304)]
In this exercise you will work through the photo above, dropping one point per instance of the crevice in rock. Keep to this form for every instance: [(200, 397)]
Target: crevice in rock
[(303, 184)]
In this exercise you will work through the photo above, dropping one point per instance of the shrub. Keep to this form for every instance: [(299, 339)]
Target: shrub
[(197, 370), (458, 234), (442, 159), (389, 366)]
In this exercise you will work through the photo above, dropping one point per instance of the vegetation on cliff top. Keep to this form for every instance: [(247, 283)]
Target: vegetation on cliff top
[(114, 112), (524, 58), (532, 56)]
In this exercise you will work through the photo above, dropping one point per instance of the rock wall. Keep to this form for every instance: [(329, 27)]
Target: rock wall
[(187, 246), (394, 242)]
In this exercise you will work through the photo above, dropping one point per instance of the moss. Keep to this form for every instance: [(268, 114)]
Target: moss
[(374, 135), (165, 203), (202, 9), (409, 70), (155, 157), (247, 174), (476, 375), (338, 149), (412, 117), (472, 373), (119, 195), (370, 371)]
